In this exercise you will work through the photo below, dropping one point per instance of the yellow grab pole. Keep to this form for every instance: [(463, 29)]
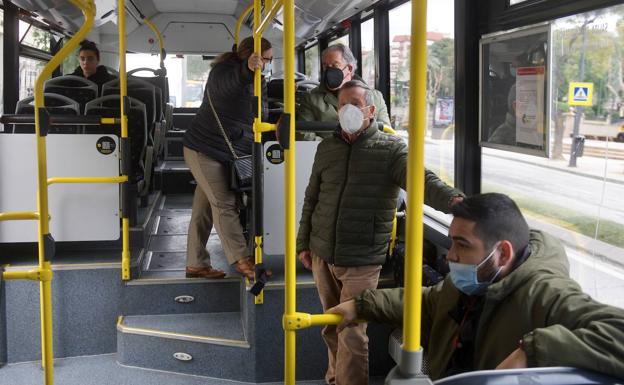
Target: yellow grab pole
[(257, 73), (239, 22), (123, 96), (161, 41), (289, 185), (266, 20), (44, 239), (415, 178)]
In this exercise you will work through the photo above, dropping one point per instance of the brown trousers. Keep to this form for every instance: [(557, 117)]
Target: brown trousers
[(347, 351), (213, 203)]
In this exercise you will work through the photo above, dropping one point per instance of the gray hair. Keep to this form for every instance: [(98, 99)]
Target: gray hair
[(347, 55), (369, 97)]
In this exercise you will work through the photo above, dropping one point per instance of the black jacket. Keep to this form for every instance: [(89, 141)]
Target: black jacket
[(231, 89), (100, 76)]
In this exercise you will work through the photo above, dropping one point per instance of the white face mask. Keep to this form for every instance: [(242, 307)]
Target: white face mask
[(266, 70), (350, 118)]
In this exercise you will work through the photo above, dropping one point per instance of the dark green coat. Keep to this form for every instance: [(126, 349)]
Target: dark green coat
[(538, 302), (351, 198), (321, 105)]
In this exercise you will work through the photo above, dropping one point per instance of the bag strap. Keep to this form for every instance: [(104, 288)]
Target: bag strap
[(227, 140)]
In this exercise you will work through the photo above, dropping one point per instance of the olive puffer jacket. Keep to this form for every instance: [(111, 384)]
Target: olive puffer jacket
[(537, 302), (321, 105), (230, 84), (351, 198)]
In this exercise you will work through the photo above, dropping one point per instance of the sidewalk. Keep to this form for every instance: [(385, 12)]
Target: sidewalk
[(589, 166)]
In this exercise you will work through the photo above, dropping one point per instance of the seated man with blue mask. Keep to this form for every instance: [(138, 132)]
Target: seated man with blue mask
[(508, 301)]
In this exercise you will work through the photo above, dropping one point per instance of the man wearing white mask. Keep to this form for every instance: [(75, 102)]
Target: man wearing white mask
[(347, 218)]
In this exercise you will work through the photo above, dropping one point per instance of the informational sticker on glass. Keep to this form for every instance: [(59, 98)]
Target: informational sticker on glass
[(514, 90)]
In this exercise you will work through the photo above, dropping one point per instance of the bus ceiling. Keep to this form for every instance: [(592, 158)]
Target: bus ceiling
[(179, 20)]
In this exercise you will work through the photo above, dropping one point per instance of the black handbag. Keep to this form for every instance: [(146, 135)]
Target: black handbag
[(241, 167)]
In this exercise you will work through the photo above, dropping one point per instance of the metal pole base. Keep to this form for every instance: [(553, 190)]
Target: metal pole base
[(409, 370), (396, 378)]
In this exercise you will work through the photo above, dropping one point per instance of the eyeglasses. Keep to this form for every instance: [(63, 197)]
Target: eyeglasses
[(267, 59)]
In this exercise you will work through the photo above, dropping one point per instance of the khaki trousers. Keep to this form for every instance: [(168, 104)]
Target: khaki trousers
[(347, 351), (213, 203)]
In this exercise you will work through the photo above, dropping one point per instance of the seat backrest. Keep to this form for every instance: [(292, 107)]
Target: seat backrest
[(55, 105), (137, 89), (74, 87), (156, 79), (108, 107)]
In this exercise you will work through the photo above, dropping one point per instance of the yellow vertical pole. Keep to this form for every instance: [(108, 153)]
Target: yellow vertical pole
[(123, 96), (289, 185), (239, 22), (415, 178), (45, 240)]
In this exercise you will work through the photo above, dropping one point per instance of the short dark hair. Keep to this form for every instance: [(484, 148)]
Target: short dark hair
[(368, 92), (87, 45), (496, 217)]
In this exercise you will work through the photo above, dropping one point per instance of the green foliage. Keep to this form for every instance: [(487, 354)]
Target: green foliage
[(197, 68)]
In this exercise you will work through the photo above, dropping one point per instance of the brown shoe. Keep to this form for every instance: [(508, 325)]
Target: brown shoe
[(245, 267), (204, 272)]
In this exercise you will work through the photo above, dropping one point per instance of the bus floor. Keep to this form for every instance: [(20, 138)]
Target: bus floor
[(104, 370)]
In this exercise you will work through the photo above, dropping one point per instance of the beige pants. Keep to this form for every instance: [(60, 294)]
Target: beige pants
[(213, 203), (347, 351)]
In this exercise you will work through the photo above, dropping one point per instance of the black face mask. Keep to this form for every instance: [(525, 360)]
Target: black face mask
[(333, 77)]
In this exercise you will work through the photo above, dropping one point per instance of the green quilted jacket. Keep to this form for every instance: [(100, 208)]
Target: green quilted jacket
[(537, 302), (350, 201)]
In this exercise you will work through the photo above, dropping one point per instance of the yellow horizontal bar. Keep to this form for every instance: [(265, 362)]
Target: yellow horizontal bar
[(269, 17), (325, 319), (266, 127), (95, 179), (110, 121), (32, 275), (298, 321), (389, 130), (19, 216)]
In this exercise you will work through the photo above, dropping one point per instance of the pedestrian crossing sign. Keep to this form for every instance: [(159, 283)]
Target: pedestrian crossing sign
[(581, 94)]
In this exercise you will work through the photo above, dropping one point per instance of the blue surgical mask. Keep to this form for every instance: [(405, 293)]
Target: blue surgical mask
[(266, 70), (465, 276)]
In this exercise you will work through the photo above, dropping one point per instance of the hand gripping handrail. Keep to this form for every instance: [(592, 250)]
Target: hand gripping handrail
[(43, 272)]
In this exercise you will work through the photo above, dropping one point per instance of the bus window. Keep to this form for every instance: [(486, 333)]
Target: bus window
[(187, 75), (29, 69), (312, 63), (577, 197), (71, 61), (34, 37), (439, 147), (368, 51), (344, 39)]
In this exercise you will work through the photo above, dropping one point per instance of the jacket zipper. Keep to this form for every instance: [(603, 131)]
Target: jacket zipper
[(340, 202)]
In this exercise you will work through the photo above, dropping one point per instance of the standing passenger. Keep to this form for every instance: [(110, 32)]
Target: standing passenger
[(89, 58), (230, 90), (347, 218)]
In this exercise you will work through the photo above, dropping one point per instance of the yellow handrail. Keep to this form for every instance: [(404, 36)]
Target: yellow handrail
[(44, 271), (94, 179), (290, 306), (415, 179), (123, 93), (161, 41), (19, 216), (239, 22), (259, 29)]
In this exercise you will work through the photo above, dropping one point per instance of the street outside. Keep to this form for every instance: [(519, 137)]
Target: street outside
[(592, 190)]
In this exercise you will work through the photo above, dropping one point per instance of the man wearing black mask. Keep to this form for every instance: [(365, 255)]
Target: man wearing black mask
[(321, 104)]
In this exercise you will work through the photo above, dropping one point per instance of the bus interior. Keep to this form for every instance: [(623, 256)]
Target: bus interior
[(123, 311)]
